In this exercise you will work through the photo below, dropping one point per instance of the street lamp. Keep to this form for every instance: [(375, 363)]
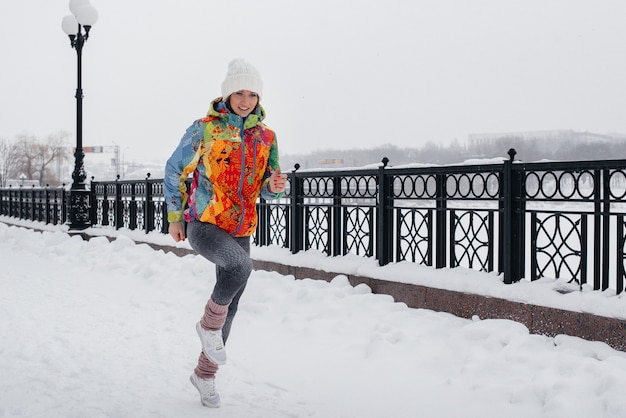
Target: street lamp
[(77, 26)]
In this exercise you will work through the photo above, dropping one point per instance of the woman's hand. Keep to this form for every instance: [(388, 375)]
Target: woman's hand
[(177, 231), (278, 182)]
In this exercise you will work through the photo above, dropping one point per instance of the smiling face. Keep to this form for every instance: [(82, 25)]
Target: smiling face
[(243, 102)]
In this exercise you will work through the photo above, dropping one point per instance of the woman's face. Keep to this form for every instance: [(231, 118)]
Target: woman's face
[(243, 102)]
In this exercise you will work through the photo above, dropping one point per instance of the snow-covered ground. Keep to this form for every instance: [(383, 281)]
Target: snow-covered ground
[(106, 329)]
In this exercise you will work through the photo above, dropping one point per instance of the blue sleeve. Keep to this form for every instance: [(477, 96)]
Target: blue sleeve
[(178, 167)]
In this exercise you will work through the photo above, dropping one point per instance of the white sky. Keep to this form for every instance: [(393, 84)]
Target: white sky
[(338, 74)]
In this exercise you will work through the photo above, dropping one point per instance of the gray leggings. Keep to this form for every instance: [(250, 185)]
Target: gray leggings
[(231, 256)]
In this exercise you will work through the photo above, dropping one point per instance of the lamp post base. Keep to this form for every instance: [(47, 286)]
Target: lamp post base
[(78, 216)]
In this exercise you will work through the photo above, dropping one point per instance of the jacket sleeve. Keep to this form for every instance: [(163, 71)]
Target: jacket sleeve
[(178, 167), (272, 165)]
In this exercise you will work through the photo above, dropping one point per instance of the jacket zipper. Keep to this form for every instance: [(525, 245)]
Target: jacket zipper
[(242, 177)]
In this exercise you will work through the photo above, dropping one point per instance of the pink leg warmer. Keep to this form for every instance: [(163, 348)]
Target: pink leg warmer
[(205, 369), (213, 319), (214, 316)]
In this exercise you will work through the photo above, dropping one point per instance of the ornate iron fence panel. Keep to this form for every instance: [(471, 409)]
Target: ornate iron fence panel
[(5, 202), (560, 246), (155, 208), (561, 220), (334, 212), (358, 224), (15, 198), (105, 203), (54, 206), (130, 204), (472, 239), (37, 204), (274, 220), (26, 204), (575, 211), (446, 216), (129, 208), (356, 211), (317, 228), (413, 240)]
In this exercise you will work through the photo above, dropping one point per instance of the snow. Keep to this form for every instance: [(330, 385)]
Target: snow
[(106, 329)]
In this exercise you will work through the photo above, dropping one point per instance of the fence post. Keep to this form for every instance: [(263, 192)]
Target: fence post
[(606, 228), (337, 232), (297, 211), (20, 203), (55, 207), (262, 227), (47, 204), (513, 254), (93, 203), (63, 204), (119, 209), (505, 223), (105, 204), (621, 240), (148, 208), (384, 219), (441, 206), (10, 200), (132, 207), (33, 203), (597, 222), (164, 222)]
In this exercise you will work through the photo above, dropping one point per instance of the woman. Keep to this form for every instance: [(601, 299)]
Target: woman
[(232, 158)]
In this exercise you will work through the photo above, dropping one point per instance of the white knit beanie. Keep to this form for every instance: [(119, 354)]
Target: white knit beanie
[(241, 75)]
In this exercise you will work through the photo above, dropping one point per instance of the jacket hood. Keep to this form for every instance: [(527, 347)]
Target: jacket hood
[(219, 109)]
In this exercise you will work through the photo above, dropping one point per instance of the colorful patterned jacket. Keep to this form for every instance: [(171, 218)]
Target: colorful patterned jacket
[(228, 171)]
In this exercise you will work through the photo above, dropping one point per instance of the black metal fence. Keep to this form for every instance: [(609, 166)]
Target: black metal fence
[(562, 220)]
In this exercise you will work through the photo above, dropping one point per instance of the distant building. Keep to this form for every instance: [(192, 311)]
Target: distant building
[(331, 161), (549, 140), (22, 183)]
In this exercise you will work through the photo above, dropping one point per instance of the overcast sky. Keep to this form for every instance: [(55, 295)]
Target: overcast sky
[(338, 74)]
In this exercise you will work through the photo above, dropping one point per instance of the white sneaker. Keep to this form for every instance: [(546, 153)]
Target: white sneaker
[(212, 344), (206, 387)]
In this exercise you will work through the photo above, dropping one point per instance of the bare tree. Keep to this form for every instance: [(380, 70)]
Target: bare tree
[(27, 150), (59, 152), (8, 161), (35, 157)]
